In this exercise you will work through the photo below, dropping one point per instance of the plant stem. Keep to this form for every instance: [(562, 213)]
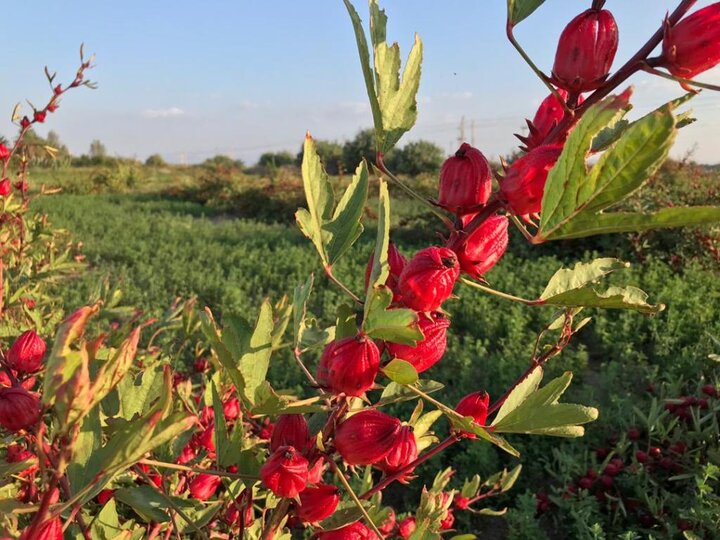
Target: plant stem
[(685, 82), (462, 236), (452, 439), (343, 287), (175, 466), (355, 498), (500, 294), (383, 169), (297, 353)]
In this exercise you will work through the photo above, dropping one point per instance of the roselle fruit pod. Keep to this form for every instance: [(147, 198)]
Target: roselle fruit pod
[(5, 187), (407, 527), (27, 352), (428, 279), (523, 186), (231, 409), (546, 119), (387, 526), (19, 409), (48, 530), (316, 472), (396, 262), (366, 437), (317, 503), (204, 486), (586, 51), (485, 246), (465, 181), (354, 531), (475, 405), (290, 430), (692, 46), (285, 472), (430, 349), (403, 453), (349, 365)]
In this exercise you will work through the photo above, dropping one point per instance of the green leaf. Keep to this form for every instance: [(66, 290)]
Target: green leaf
[(138, 393), (345, 323), (381, 267), (519, 10), (199, 515), (221, 433), (508, 479), (345, 227), (300, 298), (88, 441), (520, 393), (491, 512), (573, 288), (106, 525), (254, 362), (541, 414), (399, 325), (619, 222), (565, 191), (268, 401), (470, 487), (401, 372), (145, 501), (332, 229), (397, 393)]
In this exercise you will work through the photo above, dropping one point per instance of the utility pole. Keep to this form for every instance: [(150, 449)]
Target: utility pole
[(461, 138), (472, 133)]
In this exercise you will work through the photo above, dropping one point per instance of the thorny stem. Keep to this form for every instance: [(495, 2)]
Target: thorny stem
[(631, 67), (383, 169), (452, 439), (500, 294), (355, 498)]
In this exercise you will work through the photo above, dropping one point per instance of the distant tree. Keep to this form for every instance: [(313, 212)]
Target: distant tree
[(223, 161), (331, 155), (417, 157), (97, 150), (155, 160), (361, 147), (4, 140), (276, 159)]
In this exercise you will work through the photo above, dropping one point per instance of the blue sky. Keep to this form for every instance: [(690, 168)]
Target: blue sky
[(192, 79)]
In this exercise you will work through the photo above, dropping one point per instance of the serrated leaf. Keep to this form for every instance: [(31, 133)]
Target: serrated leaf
[(519, 10), (220, 428), (300, 298), (254, 362), (401, 372), (136, 394), (345, 228), (397, 325), (381, 267), (520, 393), (397, 393), (145, 501), (507, 481)]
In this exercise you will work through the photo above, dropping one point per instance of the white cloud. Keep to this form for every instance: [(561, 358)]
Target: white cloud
[(163, 113)]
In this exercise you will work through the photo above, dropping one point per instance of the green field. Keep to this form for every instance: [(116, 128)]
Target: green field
[(164, 241)]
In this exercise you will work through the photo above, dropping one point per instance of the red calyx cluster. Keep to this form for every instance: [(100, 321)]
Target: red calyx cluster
[(692, 46)]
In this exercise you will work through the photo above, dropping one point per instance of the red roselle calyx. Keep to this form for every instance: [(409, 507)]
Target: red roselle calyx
[(4, 152), (354, 531), (402, 453), (349, 365), (285, 472), (366, 437), (204, 486), (19, 409), (396, 262), (39, 116), (523, 185), (475, 405), (430, 349), (26, 353), (407, 527), (548, 116), (586, 51), (465, 181), (317, 503), (48, 530), (387, 526), (290, 430), (5, 187), (429, 278), (484, 248), (693, 44)]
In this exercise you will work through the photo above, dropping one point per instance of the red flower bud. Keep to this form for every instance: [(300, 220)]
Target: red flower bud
[(200, 365), (105, 495), (21, 185), (585, 482), (25, 122), (523, 186), (430, 350), (350, 365), (403, 452), (387, 526), (633, 433), (428, 279), (285, 472), (475, 405), (607, 481), (396, 262), (407, 527), (484, 247), (266, 431), (27, 352), (39, 116), (465, 182), (204, 486), (655, 452), (4, 152), (586, 51), (354, 531), (693, 44), (315, 473), (231, 409), (548, 116), (206, 438), (710, 390), (19, 409), (366, 437), (49, 530), (5, 187), (641, 456), (461, 503), (317, 503), (52, 107), (447, 521), (290, 430)]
